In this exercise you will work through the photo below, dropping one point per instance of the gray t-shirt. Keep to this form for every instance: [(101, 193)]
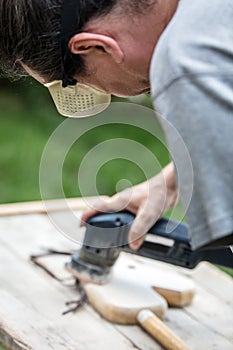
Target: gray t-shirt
[(192, 87)]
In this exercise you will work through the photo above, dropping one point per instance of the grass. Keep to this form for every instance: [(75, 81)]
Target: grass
[(24, 130), (28, 118)]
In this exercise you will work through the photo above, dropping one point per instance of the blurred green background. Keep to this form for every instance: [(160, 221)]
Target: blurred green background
[(27, 120)]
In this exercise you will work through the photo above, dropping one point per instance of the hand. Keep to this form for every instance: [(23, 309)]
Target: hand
[(148, 201)]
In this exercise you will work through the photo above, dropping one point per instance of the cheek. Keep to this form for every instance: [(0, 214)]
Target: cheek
[(119, 83), (122, 90), (113, 79), (127, 87)]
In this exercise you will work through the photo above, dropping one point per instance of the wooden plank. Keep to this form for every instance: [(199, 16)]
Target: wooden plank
[(206, 276), (33, 312), (133, 287), (40, 207), (34, 229), (22, 235), (127, 293), (195, 332), (140, 337), (223, 290), (15, 241), (191, 319), (213, 297), (191, 331), (17, 337), (211, 312)]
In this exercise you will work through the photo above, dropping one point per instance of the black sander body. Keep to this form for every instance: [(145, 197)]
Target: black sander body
[(106, 237)]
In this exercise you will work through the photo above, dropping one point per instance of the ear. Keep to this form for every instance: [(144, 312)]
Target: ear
[(84, 43)]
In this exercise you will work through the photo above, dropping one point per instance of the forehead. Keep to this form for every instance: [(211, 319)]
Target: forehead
[(33, 74)]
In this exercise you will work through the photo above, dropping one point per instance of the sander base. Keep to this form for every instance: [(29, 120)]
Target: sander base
[(87, 272)]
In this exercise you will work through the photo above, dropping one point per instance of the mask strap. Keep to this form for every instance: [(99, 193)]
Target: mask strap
[(68, 29)]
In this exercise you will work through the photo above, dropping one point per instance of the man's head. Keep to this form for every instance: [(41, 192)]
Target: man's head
[(110, 49)]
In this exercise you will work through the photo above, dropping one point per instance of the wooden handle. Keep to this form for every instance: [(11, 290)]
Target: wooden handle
[(155, 327)]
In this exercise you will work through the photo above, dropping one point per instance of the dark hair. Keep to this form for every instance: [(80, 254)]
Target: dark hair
[(30, 32)]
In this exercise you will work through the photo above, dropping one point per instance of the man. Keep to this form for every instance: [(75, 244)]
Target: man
[(181, 51)]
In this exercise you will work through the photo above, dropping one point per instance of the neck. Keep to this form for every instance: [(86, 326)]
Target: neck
[(147, 30), (137, 35)]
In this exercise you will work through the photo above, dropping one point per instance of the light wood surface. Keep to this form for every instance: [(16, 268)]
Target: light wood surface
[(153, 325), (126, 294), (132, 288), (129, 292), (42, 207), (31, 302)]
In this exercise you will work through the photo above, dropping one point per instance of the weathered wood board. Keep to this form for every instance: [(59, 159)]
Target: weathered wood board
[(31, 302), (133, 287)]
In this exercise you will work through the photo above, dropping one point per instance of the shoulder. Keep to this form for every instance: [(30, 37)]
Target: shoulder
[(198, 40)]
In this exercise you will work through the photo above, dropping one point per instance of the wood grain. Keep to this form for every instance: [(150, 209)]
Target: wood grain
[(154, 326), (125, 295), (31, 302), (133, 288), (42, 207)]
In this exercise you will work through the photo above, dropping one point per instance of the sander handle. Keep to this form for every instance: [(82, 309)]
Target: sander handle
[(167, 241), (175, 248), (177, 231)]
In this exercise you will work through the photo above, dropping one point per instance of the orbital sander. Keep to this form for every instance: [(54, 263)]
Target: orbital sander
[(106, 237)]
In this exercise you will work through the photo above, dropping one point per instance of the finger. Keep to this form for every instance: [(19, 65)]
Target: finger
[(141, 225), (114, 204), (96, 208), (138, 230), (87, 215), (137, 235)]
